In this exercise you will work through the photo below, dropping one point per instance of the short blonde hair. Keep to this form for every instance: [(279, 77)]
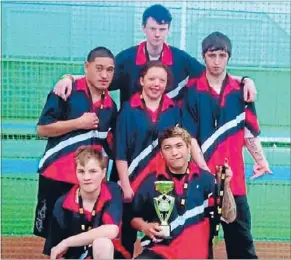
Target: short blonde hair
[(175, 131), (84, 153)]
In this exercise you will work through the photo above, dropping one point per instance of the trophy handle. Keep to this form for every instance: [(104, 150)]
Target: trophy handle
[(172, 202)]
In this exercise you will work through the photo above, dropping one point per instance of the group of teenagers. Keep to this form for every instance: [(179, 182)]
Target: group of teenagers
[(178, 121)]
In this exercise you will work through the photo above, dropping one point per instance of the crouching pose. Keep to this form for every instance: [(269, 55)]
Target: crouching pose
[(86, 220)]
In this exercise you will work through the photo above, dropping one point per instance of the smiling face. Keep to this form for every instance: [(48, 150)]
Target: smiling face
[(90, 175), (99, 73), (176, 153), (154, 83)]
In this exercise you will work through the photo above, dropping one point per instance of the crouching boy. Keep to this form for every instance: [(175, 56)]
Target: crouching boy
[(87, 219)]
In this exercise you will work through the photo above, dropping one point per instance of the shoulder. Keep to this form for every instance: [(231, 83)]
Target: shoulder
[(124, 55), (124, 109), (206, 176), (59, 204), (180, 53)]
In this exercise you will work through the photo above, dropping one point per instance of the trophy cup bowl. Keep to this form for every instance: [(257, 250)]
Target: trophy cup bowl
[(164, 205)]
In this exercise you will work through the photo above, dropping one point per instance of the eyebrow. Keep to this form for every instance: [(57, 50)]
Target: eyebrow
[(96, 65)]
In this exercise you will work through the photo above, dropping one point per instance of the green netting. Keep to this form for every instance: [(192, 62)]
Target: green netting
[(268, 202), (43, 40)]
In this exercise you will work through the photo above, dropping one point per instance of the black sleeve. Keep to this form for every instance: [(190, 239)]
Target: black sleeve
[(195, 68), (53, 111), (112, 213), (140, 204), (108, 147), (121, 136), (208, 182), (57, 228), (190, 118), (121, 76)]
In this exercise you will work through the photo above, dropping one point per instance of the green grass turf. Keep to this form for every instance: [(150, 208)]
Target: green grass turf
[(269, 203)]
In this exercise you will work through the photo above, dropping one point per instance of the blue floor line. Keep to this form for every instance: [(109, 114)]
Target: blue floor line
[(29, 166)]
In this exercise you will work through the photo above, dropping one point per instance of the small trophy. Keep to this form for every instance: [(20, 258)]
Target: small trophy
[(164, 205)]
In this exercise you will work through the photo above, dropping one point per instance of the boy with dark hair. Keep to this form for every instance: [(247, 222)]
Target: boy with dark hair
[(86, 118), (215, 114), (87, 219), (156, 21), (172, 205)]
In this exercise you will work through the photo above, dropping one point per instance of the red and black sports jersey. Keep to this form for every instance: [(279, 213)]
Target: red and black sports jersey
[(67, 221), (136, 136), (58, 161), (190, 227), (220, 123), (130, 61)]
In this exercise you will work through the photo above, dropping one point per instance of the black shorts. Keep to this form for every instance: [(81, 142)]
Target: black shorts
[(48, 192)]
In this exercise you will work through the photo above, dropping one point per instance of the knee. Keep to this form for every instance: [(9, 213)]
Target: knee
[(103, 245)]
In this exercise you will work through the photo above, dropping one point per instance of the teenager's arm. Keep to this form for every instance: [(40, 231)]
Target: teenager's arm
[(255, 148), (86, 121), (197, 155), (228, 204), (196, 70), (250, 91), (190, 121), (63, 88), (87, 238), (253, 143), (122, 169), (83, 239)]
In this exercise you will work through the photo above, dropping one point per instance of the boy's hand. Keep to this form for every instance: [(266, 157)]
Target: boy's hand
[(250, 91), (59, 250), (260, 169), (153, 231), (88, 121), (63, 88), (228, 171), (128, 193)]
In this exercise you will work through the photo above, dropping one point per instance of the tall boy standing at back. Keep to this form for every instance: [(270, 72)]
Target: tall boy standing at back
[(215, 114)]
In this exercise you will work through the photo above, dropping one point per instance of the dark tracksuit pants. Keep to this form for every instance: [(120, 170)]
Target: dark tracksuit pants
[(237, 235)]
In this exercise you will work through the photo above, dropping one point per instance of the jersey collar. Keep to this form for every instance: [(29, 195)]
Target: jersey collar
[(167, 55)]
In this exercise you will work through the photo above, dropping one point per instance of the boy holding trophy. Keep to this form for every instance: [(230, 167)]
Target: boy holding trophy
[(172, 205)]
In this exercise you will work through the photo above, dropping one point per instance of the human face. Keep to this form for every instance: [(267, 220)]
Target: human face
[(175, 152), (154, 83), (90, 176), (99, 73), (216, 62), (156, 34)]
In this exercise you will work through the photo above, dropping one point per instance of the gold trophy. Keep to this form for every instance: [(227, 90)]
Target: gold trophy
[(164, 205)]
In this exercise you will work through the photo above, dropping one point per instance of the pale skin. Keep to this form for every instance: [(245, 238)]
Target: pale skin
[(255, 148), (175, 152), (90, 177), (216, 62), (228, 203), (153, 86), (156, 35)]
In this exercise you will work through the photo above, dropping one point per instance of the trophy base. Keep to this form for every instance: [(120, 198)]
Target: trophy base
[(166, 231)]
